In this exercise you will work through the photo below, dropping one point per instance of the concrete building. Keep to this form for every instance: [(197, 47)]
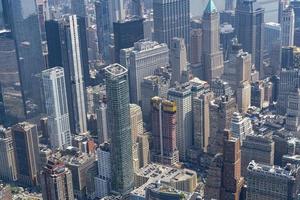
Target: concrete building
[(227, 34), (56, 181), (240, 126), (182, 96), (258, 148), (288, 26), (212, 55), (221, 88), (178, 61), (293, 112), (119, 129), (273, 35), (142, 60), (8, 170), (102, 130), (272, 182), (154, 85), (25, 141), (5, 192), (221, 111), (170, 22), (201, 119), (56, 107), (164, 123), (196, 48), (232, 181), (103, 180)]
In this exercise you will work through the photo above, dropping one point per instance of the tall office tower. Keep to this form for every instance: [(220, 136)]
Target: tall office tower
[(137, 8), (178, 60), (243, 96), (57, 107), (238, 67), (136, 124), (288, 26), (7, 157), (43, 12), (143, 60), (117, 10), (296, 6), (272, 35), (226, 36), (102, 131), (289, 80), (143, 151), (229, 4), (182, 96), (232, 181), (78, 7), (290, 57), (27, 36), (221, 111), (156, 85), (25, 139), (240, 126), (65, 50), (2, 107), (201, 120), (103, 180), (104, 28), (257, 94), (249, 29), (119, 127), (126, 33), (171, 19), (259, 148), (56, 181), (164, 131), (196, 52), (282, 4), (272, 182), (212, 55), (293, 112)]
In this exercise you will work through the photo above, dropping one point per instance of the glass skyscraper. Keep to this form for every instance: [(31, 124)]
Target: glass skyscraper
[(119, 130), (24, 23)]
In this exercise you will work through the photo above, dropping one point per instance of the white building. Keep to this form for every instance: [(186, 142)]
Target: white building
[(182, 95), (103, 181), (288, 26), (56, 107), (240, 126), (141, 61)]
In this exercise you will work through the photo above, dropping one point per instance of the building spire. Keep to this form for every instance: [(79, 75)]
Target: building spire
[(210, 8)]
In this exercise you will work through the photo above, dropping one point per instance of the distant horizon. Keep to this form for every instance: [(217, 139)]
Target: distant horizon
[(197, 7)]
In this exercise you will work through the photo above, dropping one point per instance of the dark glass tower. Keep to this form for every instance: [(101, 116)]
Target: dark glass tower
[(126, 33), (250, 29), (2, 108), (24, 22), (119, 128), (104, 28)]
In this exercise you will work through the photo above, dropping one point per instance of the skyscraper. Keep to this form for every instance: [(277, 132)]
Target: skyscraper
[(178, 60), (282, 4), (171, 19), (57, 107), (288, 26), (56, 181), (8, 170), (164, 131), (141, 61), (212, 56), (232, 181), (229, 4), (182, 96), (78, 7), (126, 33), (25, 140), (104, 27), (24, 22), (249, 29), (117, 10), (65, 50), (119, 127)]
